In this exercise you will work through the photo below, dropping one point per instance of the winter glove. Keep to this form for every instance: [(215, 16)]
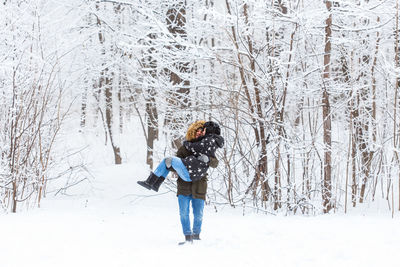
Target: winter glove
[(203, 158)]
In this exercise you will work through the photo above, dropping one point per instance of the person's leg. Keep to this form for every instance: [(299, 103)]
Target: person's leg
[(161, 170), (156, 178), (184, 206), (198, 207), (180, 168)]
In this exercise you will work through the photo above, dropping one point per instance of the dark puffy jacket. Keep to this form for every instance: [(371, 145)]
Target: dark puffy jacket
[(197, 189), (204, 146)]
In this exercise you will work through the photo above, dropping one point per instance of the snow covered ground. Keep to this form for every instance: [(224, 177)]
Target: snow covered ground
[(120, 224)]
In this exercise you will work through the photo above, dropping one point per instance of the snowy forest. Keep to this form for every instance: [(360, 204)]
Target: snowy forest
[(306, 93)]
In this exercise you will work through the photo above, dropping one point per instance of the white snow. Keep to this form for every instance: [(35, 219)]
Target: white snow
[(119, 223)]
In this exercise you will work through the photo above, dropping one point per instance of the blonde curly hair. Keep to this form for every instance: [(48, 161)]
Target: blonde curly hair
[(191, 132)]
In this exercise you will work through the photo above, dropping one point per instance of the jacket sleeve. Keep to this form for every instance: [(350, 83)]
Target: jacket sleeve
[(213, 162), (182, 152)]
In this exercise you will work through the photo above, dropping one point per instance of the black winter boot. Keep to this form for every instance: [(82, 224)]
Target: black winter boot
[(196, 237), (156, 185), (189, 238), (149, 182)]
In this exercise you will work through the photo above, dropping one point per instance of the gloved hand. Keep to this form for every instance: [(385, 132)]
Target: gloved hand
[(203, 158)]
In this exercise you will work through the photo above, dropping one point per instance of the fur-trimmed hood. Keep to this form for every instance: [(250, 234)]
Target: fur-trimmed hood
[(191, 132)]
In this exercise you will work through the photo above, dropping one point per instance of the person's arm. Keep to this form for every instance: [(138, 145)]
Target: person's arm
[(182, 152), (213, 162)]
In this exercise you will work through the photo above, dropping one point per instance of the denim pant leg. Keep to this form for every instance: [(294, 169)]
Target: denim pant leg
[(178, 166), (161, 169), (184, 205), (198, 207), (181, 169)]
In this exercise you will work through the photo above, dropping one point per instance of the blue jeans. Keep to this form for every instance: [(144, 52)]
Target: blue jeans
[(184, 210), (178, 166)]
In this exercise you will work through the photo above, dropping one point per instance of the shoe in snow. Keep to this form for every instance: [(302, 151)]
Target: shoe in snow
[(196, 237), (188, 240)]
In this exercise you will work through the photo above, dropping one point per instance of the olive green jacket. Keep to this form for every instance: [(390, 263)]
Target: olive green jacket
[(197, 189)]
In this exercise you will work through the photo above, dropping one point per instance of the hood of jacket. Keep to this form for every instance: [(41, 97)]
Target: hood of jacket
[(191, 132)]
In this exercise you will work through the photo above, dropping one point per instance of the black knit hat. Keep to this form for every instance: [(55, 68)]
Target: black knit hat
[(212, 128)]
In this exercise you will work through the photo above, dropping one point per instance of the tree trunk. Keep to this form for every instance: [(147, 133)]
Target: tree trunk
[(374, 123), (363, 125), (397, 86), (176, 23), (84, 107), (152, 126), (106, 83), (326, 115), (262, 165), (109, 118), (149, 64)]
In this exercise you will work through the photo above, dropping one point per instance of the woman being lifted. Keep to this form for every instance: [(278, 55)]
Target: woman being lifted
[(191, 168)]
